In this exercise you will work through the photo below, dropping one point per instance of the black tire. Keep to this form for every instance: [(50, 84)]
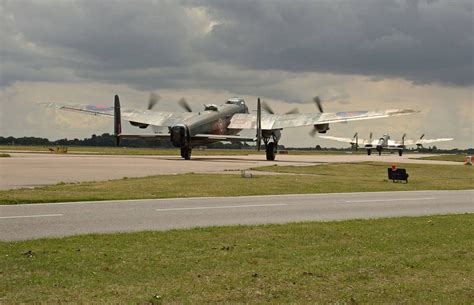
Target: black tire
[(271, 151), (380, 152), (369, 152), (186, 153), (400, 152)]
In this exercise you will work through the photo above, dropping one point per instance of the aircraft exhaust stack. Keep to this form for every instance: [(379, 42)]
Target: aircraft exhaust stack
[(117, 120)]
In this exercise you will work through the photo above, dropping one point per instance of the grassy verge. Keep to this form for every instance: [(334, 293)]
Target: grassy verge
[(350, 177), (455, 158), (153, 151), (2, 155), (398, 260)]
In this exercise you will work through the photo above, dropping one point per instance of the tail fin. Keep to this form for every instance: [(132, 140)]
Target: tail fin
[(117, 120), (356, 138), (259, 124)]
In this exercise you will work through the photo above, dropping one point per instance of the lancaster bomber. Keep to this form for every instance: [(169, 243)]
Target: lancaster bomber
[(221, 123), (385, 142)]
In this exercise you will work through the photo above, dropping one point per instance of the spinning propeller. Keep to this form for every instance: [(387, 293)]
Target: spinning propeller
[(268, 109), (356, 137), (317, 101), (183, 103), (153, 100)]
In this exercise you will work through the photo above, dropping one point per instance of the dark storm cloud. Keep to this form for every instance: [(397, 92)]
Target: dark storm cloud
[(96, 36), (422, 41), (152, 44)]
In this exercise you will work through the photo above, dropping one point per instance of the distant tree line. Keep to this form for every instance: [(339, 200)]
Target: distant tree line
[(107, 139)]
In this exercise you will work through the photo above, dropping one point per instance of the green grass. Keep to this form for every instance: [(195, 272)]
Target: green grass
[(154, 151), (2, 155), (455, 158), (392, 261), (329, 178)]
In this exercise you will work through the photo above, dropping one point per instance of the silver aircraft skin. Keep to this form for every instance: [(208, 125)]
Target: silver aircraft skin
[(221, 123), (385, 142)]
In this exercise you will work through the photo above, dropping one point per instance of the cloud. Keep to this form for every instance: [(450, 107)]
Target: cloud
[(354, 54), (207, 42), (421, 41)]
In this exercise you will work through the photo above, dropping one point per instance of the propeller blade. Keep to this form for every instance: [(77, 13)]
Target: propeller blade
[(153, 100), (313, 132), (355, 135), (422, 136), (183, 103), (370, 136), (292, 111), (267, 108), (317, 101)]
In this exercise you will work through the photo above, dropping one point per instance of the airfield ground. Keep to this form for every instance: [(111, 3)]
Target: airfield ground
[(399, 260), (325, 178), (37, 169), (394, 260)]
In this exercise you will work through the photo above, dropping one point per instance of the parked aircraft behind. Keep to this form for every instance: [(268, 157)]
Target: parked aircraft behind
[(222, 123), (384, 142)]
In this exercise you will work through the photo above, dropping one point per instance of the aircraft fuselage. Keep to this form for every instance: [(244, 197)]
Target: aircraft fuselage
[(211, 121)]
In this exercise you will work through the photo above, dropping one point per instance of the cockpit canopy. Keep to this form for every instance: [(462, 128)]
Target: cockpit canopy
[(236, 101)]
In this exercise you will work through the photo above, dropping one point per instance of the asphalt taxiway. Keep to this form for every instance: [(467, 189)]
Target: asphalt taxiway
[(38, 169), (29, 221)]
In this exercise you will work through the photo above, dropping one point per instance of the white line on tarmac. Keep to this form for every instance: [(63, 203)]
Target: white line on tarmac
[(31, 216), (251, 196), (397, 199), (222, 207)]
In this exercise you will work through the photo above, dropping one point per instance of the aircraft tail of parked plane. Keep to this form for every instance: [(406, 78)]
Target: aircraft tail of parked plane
[(384, 142)]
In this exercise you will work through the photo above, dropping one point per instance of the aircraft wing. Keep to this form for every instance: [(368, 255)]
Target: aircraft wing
[(426, 141), (345, 140), (280, 121), (222, 137), (396, 143), (150, 117)]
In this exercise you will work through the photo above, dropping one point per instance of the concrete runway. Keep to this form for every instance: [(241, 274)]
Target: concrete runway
[(29, 221), (38, 169)]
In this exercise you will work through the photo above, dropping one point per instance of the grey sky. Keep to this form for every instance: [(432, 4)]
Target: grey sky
[(273, 49)]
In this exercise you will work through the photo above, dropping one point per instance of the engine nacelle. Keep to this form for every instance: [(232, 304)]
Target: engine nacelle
[(139, 125), (322, 128), (179, 135)]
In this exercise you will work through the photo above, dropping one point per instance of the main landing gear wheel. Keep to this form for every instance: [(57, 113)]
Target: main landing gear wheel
[(400, 152), (186, 152), (380, 152), (369, 151), (271, 151)]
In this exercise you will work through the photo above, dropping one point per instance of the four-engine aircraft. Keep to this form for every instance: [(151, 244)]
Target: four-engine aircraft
[(222, 123), (385, 142)]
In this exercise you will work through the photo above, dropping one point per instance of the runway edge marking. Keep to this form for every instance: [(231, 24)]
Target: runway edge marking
[(252, 196)]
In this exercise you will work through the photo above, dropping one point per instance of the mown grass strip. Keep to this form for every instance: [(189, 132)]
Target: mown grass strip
[(155, 151), (455, 158), (329, 178), (398, 260)]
